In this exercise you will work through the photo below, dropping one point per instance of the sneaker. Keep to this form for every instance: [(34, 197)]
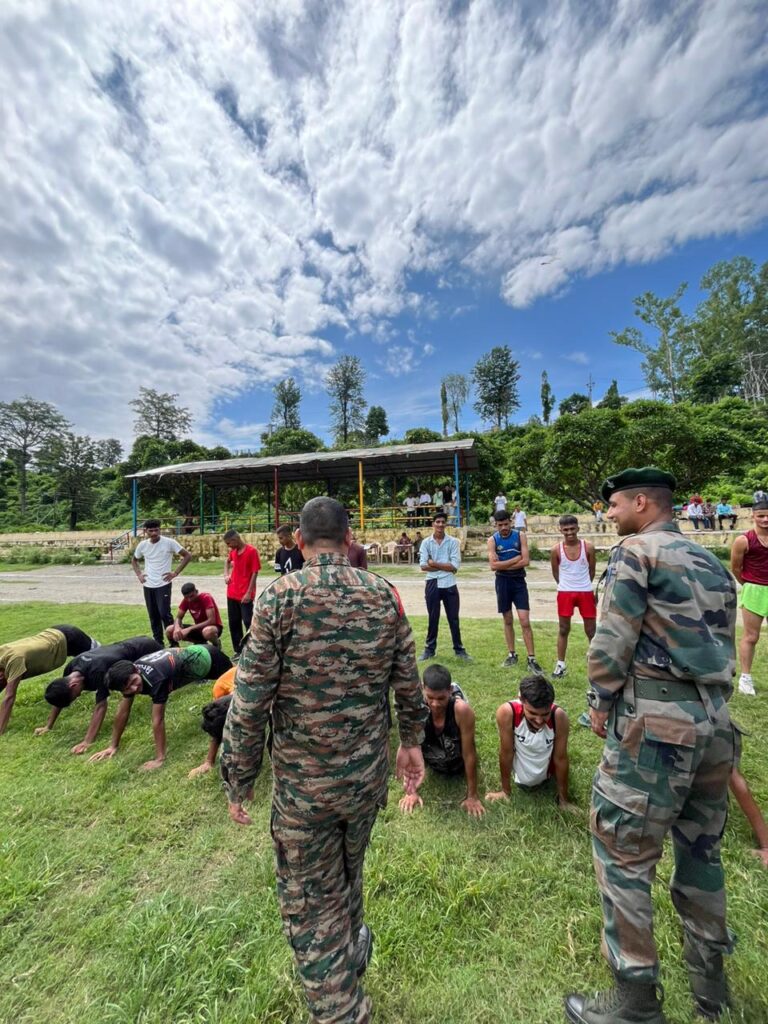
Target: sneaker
[(426, 656), (510, 661), (534, 666), (746, 685), (585, 720), (462, 655), (560, 670)]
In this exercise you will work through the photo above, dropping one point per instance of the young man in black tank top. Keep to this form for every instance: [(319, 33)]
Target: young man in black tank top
[(449, 738)]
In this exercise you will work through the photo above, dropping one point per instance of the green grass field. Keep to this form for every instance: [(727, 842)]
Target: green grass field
[(128, 898)]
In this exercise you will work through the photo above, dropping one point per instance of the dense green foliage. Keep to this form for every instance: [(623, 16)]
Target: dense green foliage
[(130, 898)]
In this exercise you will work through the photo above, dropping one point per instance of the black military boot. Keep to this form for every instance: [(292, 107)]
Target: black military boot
[(628, 1002), (707, 979), (363, 950)]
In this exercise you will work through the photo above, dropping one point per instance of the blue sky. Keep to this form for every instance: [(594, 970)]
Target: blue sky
[(206, 198)]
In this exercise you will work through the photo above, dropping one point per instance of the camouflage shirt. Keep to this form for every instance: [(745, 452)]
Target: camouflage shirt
[(668, 611), (326, 644)]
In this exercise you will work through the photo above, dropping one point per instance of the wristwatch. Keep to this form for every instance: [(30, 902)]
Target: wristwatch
[(599, 703)]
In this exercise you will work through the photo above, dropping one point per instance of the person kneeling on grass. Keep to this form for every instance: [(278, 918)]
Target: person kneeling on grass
[(156, 676), (88, 671), (533, 742), (449, 738)]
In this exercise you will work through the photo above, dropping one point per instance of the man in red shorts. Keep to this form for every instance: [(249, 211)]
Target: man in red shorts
[(206, 626), (573, 566)]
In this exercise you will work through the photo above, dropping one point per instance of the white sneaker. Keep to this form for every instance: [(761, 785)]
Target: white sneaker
[(746, 685), (559, 671)]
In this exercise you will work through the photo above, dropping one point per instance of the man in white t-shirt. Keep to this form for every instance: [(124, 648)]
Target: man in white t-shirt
[(500, 503), (519, 520), (156, 577)]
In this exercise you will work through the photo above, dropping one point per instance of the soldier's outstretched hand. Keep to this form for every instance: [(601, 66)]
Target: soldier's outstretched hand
[(239, 815), (409, 767)]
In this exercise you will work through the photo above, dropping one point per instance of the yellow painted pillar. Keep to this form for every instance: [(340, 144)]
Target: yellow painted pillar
[(360, 486)]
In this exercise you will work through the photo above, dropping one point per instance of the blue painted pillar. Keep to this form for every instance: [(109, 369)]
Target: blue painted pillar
[(456, 485), (135, 504)]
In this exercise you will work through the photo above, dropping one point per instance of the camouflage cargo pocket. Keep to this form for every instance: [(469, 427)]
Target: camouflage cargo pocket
[(668, 745), (618, 813)]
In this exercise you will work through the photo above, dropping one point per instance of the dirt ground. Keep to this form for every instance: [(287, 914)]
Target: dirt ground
[(116, 584)]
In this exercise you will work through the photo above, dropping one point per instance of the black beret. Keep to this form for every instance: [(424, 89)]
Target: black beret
[(628, 479)]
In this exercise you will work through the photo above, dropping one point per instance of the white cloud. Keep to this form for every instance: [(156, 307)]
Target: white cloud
[(193, 195), (578, 357)]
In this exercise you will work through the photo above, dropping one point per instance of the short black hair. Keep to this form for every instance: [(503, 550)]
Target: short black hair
[(568, 520), (283, 529), (188, 588), (501, 515), (215, 716), (58, 693), (323, 519), (437, 677), (537, 691), (660, 496), (151, 524), (439, 515), (119, 674), (230, 535)]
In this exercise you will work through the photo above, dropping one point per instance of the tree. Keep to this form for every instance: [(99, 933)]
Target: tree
[(289, 441), (547, 397), (159, 415), (713, 377), (495, 376), (733, 319), (612, 399), (574, 404), (74, 462), (26, 427), (109, 452), (285, 411), (665, 364), (344, 384), (376, 425), (421, 435), (457, 392), (444, 407)]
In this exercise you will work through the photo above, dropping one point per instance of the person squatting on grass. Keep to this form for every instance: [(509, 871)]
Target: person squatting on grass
[(88, 671), (533, 742), (508, 557), (573, 566), (449, 738), (326, 646), (35, 656), (157, 676), (206, 625), (749, 564)]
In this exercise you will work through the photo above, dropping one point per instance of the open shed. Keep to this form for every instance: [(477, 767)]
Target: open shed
[(453, 460)]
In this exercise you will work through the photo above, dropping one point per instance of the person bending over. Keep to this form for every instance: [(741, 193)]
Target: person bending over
[(88, 671), (35, 656), (157, 676), (533, 742), (449, 738)]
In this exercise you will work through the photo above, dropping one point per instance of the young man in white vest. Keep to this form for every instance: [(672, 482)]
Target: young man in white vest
[(573, 566)]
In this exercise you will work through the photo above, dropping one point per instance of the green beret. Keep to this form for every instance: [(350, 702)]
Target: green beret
[(628, 479)]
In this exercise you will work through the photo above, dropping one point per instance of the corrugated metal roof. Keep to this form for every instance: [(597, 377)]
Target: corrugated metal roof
[(397, 459)]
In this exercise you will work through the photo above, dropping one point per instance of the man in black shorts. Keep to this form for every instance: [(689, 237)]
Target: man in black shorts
[(508, 557), (35, 656), (206, 625), (157, 676), (449, 738), (88, 671)]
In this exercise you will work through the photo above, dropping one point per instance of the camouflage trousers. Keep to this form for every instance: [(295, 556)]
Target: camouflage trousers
[(665, 768), (319, 867)]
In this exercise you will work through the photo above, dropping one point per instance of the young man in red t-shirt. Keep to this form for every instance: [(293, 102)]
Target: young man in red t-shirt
[(243, 564), (206, 627)]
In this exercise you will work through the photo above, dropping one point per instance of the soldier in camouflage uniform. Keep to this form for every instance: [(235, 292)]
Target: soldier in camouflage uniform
[(661, 667), (327, 643)]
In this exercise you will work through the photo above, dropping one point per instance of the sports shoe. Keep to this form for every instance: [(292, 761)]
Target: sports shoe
[(363, 950), (534, 666), (462, 655), (746, 685), (585, 720), (426, 656), (560, 670), (510, 661)]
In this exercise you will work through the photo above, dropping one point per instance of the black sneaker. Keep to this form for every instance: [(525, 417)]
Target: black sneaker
[(534, 666), (426, 656), (510, 661), (363, 950), (462, 655)]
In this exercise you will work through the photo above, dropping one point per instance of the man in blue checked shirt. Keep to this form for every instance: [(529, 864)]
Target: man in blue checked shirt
[(440, 558)]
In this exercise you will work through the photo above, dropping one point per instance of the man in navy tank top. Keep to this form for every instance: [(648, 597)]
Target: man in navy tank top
[(508, 557), (749, 564)]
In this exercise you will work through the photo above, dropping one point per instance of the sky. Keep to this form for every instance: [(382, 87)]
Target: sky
[(206, 198)]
